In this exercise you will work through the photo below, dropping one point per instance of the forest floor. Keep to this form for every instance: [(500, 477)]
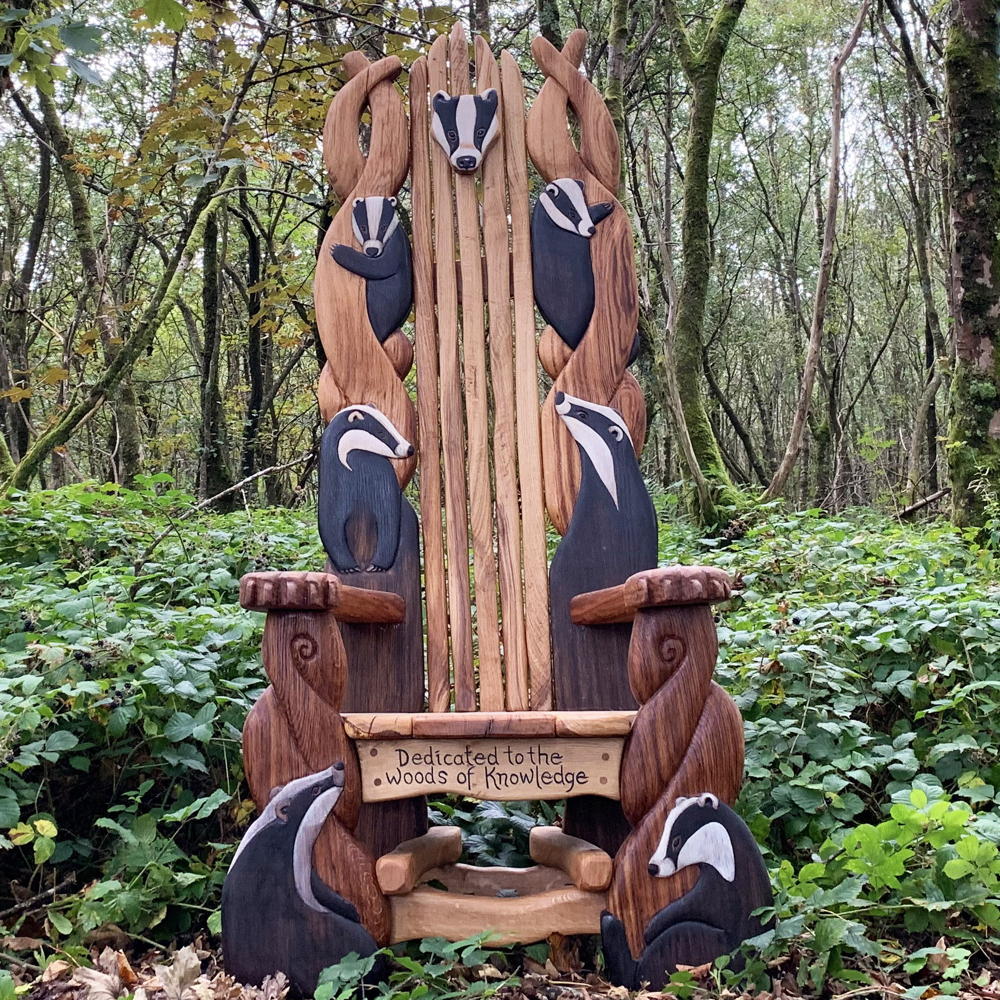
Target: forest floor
[(864, 655)]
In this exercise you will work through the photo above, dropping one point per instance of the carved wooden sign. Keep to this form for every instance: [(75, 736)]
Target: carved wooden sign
[(493, 769)]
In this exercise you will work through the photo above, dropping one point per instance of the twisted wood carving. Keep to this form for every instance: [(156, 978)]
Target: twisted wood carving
[(366, 370), (687, 739), (596, 370), (295, 729)]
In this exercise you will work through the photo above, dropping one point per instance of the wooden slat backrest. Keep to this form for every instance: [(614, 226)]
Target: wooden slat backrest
[(482, 375)]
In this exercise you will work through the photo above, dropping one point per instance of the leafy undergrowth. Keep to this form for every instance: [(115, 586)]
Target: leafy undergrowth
[(864, 657)]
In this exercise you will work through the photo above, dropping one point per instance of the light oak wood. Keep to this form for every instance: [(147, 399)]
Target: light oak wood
[(452, 436), (297, 591), (494, 881), (588, 867), (429, 912), (428, 399), (460, 725), (477, 456), (498, 768), (671, 586), (529, 447), (496, 238), (401, 869)]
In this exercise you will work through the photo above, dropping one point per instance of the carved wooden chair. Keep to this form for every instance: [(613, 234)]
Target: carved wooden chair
[(409, 667)]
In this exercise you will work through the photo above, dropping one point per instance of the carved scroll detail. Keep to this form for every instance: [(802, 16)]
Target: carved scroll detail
[(596, 370)]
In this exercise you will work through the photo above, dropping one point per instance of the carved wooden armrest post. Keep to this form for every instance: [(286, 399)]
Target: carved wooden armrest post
[(295, 728), (687, 738)]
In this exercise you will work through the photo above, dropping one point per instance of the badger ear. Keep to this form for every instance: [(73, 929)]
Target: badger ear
[(580, 183), (358, 201), (600, 211), (392, 201), (441, 97), (490, 96), (354, 416)]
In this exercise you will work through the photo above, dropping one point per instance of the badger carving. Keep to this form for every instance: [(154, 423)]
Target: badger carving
[(277, 913), (715, 917), (383, 261), (465, 126), (359, 496)]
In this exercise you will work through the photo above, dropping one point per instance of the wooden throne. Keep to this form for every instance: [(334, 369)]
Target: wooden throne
[(446, 653)]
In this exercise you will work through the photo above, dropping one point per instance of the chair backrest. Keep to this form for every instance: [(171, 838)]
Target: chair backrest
[(485, 432)]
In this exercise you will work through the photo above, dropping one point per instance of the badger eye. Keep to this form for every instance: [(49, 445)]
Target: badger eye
[(581, 414), (452, 135), (316, 789), (675, 844), (552, 190), (354, 416), (480, 132), (282, 812), (616, 433)]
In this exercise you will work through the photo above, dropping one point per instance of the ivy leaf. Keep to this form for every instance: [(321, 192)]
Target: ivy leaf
[(169, 13)]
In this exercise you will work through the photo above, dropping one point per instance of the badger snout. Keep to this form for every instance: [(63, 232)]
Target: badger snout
[(337, 778), (562, 403), (654, 870), (404, 449), (372, 248), (466, 163), (586, 229)]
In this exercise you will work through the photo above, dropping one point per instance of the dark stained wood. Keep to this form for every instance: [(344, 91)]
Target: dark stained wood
[(611, 536), (668, 586), (711, 919), (562, 272), (278, 914)]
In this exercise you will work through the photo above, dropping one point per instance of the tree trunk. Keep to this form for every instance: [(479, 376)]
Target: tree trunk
[(801, 416), (701, 67), (548, 22), (972, 68)]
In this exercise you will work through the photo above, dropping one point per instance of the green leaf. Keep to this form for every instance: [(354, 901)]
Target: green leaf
[(43, 847), (82, 70), (169, 13), (958, 868), (59, 922), (81, 37), (61, 739)]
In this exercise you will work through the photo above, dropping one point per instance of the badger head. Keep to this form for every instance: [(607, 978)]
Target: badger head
[(598, 430), (564, 203), (693, 835), (365, 428), (465, 126), (294, 802), (374, 220)]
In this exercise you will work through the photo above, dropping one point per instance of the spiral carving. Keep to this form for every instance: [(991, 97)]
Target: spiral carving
[(304, 648), (596, 370), (687, 738), (366, 371)]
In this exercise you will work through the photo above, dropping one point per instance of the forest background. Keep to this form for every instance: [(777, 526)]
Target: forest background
[(815, 195)]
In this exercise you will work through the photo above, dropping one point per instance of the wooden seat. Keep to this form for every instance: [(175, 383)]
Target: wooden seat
[(445, 652)]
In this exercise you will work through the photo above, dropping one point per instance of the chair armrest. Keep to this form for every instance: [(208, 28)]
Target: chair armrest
[(668, 586), (587, 867), (320, 592), (400, 870)]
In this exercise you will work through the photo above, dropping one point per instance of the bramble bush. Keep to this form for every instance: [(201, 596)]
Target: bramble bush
[(863, 655)]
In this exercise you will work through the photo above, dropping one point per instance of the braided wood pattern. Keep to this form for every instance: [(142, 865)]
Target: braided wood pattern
[(595, 371)]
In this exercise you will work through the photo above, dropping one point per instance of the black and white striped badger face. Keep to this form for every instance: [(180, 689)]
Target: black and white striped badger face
[(693, 835), (369, 430), (598, 430), (374, 220), (465, 126), (565, 205)]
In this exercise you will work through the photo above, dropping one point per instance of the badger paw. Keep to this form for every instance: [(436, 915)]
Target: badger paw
[(349, 569), (375, 569)]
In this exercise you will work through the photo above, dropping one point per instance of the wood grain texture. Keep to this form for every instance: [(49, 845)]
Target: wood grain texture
[(588, 867), (363, 372), (477, 457), (429, 912), (667, 586), (496, 880), (277, 913), (497, 768), (501, 340), (300, 591), (529, 455), (400, 870), (457, 725), (596, 368), (428, 397), (687, 739), (711, 919), (296, 730), (452, 415)]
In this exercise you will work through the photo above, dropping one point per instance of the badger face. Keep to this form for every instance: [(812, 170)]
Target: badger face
[(693, 835), (371, 431), (598, 430), (294, 799), (565, 205), (374, 220), (465, 126)]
